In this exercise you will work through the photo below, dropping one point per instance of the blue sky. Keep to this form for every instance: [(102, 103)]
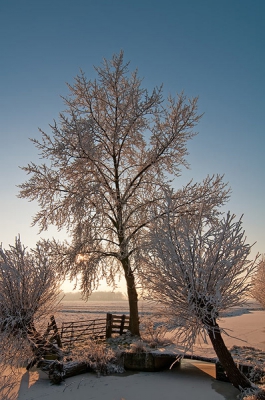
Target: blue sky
[(210, 48)]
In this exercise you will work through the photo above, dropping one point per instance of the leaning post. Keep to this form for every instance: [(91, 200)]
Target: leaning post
[(56, 331)]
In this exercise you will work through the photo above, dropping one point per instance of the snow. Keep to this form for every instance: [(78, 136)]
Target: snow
[(141, 386), (193, 379)]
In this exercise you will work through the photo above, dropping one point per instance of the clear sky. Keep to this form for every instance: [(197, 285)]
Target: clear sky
[(210, 48)]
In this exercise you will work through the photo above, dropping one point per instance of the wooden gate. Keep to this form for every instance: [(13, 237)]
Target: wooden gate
[(80, 331), (116, 324)]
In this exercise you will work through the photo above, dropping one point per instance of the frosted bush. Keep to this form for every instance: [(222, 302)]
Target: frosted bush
[(138, 347), (101, 358), (258, 291), (29, 287), (252, 394), (154, 333)]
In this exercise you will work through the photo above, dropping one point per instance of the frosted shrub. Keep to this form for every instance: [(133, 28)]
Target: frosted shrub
[(154, 333), (252, 394), (8, 382), (258, 291), (138, 347), (257, 374), (29, 287), (99, 357)]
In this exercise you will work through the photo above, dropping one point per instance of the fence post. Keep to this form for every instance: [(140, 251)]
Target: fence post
[(46, 333), (56, 331), (108, 325), (72, 334), (62, 331), (122, 324)]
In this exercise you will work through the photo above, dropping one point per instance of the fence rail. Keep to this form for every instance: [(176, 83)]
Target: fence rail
[(80, 331)]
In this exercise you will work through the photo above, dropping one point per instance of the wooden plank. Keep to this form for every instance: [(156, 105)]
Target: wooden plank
[(82, 329), (83, 322)]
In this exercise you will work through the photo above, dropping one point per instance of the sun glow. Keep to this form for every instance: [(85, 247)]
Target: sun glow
[(81, 257)]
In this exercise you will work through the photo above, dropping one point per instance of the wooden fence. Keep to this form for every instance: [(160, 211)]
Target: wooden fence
[(80, 331), (116, 324)]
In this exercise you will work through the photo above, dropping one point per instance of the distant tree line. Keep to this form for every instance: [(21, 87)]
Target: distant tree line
[(96, 296)]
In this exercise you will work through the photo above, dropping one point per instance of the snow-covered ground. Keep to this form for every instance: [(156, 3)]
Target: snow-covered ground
[(193, 380)]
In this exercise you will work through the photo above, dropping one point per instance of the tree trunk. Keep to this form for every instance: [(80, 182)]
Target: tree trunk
[(132, 298), (58, 371), (133, 305), (239, 380)]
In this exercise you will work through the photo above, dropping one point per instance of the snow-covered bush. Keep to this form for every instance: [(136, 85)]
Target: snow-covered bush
[(252, 394), (154, 333), (258, 281), (8, 382), (100, 358), (253, 358), (29, 287), (138, 347)]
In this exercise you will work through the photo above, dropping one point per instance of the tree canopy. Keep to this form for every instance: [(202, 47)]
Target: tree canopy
[(107, 163)]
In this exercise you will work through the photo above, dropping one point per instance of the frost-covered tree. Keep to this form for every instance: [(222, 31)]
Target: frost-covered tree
[(258, 281), (106, 163), (29, 288), (197, 269)]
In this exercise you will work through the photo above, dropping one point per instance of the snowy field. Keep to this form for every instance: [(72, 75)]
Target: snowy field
[(81, 310), (193, 380)]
